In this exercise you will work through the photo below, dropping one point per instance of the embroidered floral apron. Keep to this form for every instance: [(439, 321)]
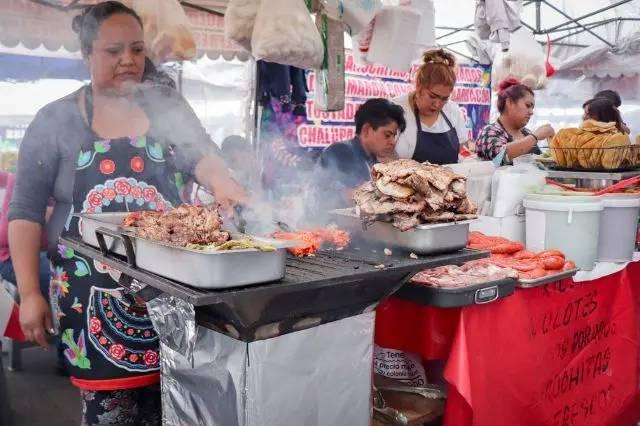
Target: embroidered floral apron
[(107, 335)]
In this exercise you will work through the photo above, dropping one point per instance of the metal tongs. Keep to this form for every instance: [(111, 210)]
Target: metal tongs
[(426, 391), (283, 226), (387, 414), (238, 219)]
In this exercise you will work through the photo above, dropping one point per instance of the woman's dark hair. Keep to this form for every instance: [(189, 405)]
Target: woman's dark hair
[(612, 95), (602, 109), (379, 112), (87, 24), (512, 89)]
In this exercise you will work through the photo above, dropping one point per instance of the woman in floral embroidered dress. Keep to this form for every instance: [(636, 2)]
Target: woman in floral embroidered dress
[(113, 146), (508, 137)]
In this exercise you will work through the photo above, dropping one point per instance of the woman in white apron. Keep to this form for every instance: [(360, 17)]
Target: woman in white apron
[(435, 125)]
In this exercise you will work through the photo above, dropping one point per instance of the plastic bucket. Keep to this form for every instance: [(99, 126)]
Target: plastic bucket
[(618, 229), (570, 224)]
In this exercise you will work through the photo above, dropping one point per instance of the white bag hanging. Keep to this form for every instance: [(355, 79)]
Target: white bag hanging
[(511, 183), (239, 20), (427, 31), (357, 14), (393, 43), (361, 44), (167, 30), (284, 33), (525, 61)]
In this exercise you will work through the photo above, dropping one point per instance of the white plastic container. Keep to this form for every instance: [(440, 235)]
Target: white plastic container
[(570, 224), (618, 228), (393, 43)]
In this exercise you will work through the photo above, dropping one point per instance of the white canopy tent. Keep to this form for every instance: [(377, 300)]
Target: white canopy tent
[(595, 45)]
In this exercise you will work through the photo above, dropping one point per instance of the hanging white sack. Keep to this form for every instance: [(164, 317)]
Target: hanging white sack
[(496, 19), (239, 20), (167, 30), (525, 61), (361, 44), (284, 33), (426, 39), (358, 14), (393, 43)]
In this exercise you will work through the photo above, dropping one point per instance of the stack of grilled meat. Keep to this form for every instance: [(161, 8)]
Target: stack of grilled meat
[(408, 193), (181, 226)]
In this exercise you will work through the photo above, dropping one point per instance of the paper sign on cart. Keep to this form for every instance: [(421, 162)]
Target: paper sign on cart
[(399, 365)]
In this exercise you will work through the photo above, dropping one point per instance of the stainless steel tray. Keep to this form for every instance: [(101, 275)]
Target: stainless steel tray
[(546, 280), (424, 239), (197, 268), (112, 221), (209, 270), (477, 294)]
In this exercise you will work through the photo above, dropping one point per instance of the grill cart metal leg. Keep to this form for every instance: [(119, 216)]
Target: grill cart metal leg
[(5, 406)]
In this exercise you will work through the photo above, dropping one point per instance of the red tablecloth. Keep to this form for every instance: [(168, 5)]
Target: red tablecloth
[(564, 354)]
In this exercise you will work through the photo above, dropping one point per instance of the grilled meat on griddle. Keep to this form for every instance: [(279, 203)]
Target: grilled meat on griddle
[(181, 226), (312, 240)]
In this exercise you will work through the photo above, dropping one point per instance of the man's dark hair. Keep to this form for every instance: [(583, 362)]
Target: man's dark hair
[(379, 112), (611, 95)]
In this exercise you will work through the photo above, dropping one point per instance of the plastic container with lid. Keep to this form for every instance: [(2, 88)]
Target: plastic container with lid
[(618, 228), (570, 224)]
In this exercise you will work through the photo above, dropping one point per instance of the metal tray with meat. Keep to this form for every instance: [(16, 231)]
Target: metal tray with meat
[(89, 223), (523, 283), (477, 294), (424, 239), (204, 266), (453, 286)]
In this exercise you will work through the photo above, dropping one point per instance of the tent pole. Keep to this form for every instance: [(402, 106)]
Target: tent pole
[(455, 31), (537, 16), (598, 24), (588, 15), (460, 54), (578, 23)]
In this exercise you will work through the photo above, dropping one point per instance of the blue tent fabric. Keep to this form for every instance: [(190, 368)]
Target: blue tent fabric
[(31, 68)]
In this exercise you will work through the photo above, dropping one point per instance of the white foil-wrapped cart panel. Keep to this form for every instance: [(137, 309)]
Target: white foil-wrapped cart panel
[(320, 376)]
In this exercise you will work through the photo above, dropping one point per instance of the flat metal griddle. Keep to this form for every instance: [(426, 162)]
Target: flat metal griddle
[(329, 286)]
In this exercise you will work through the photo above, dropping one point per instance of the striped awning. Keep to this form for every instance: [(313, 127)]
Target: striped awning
[(24, 24)]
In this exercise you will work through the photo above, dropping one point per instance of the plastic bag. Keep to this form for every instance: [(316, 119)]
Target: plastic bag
[(525, 61), (167, 30), (284, 33), (357, 15), (511, 183), (361, 44), (393, 43), (479, 176), (496, 19), (239, 20), (427, 30)]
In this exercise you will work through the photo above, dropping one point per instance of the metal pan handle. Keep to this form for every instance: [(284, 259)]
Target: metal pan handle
[(486, 295), (143, 291), (126, 241)]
